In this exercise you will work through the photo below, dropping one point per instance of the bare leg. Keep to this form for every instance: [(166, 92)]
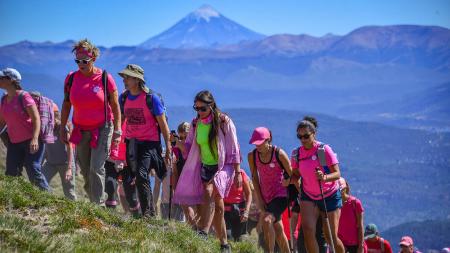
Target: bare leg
[(269, 231), (281, 237), (310, 213), (207, 208), (333, 217), (218, 220)]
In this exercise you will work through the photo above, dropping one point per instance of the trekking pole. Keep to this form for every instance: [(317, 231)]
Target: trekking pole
[(326, 216), (291, 239), (170, 185)]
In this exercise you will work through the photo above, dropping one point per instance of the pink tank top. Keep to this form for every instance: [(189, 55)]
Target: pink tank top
[(270, 178)]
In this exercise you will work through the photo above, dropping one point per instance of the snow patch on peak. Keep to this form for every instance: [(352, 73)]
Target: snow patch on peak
[(206, 12)]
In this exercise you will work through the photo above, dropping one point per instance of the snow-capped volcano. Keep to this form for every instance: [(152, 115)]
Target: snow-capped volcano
[(202, 28)]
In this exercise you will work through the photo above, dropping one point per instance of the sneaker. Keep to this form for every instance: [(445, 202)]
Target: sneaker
[(202, 234), (225, 248)]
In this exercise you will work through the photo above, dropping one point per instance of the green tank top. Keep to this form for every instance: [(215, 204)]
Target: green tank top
[(202, 140)]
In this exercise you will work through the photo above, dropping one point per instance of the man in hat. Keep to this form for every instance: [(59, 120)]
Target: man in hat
[(375, 243), (144, 114)]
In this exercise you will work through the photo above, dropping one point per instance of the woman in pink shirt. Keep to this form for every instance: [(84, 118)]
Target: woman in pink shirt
[(351, 222), (96, 117), (19, 112), (271, 172), (307, 160)]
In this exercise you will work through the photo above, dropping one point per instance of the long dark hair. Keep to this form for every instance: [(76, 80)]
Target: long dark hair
[(206, 97)]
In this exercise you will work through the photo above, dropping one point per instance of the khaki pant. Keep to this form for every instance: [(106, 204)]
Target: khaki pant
[(92, 162), (50, 170)]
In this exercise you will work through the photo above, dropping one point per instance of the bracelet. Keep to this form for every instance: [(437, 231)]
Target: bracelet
[(118, 132), (326, 178)]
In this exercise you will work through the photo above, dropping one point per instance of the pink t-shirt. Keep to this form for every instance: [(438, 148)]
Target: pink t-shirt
[(20, 127), (307, 165), (88, 99), (348, 228), (270, 178), (141, 124)]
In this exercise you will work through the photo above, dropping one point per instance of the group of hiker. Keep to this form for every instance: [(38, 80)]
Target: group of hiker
[(115, 140)]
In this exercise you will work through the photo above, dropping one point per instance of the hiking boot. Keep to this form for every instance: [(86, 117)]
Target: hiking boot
[(225, 248), (202, 234)]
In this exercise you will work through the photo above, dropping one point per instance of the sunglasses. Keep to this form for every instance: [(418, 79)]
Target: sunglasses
[(200, 108), (83, 61), (305, 136)]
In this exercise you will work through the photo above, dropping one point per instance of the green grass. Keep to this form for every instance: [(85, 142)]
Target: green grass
[(36, 221)]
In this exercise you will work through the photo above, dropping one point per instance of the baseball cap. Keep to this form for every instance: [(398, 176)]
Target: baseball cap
[(406, 241), (13, 74), (260, 135), (371, 231)]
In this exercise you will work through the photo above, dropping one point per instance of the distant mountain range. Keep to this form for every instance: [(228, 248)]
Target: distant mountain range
[(397, 75)]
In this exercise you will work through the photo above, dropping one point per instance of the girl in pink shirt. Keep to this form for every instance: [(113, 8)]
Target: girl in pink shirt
[(96, 117), (271, 172), (306, 160), (19, 112), (351, 223)]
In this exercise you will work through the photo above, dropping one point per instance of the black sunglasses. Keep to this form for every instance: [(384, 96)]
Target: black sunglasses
[(305, 136), (200, 108), (84, 61)]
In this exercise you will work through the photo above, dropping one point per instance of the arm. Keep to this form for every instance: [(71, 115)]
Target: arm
[(255, 179), (166, 135), (360, 224), (114, 103), (233, 153), (248, 200), (65, 111), (333, 176), (36, 121)]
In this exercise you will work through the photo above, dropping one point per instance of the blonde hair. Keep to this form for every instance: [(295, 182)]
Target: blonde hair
[(183, 127), (88, 46)]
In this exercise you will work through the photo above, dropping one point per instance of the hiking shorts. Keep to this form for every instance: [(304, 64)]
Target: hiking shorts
[(276, 207), (208, 172), (333, 201)]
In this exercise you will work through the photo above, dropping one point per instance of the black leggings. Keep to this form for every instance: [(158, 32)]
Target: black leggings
[(111, 185), (233, 220)]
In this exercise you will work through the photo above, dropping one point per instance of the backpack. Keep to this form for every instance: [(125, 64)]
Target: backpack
[(45, 108), (148, 100), (320, 154), (105, 89)]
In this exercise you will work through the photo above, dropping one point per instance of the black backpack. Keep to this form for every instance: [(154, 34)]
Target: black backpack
[(277, 156)]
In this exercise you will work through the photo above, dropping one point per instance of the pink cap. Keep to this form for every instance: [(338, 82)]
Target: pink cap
[(260, 135), (406, 241)]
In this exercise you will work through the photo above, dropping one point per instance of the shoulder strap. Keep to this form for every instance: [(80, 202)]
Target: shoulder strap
[(194, 123), (277, 156), (149, 101), (382, 244), (106, 93), (298, 155), (3, 99), (321, 155), (21, 94), (69, 86), (122, 99)]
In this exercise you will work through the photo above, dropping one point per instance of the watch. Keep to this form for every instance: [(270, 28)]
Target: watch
[(118, 132)]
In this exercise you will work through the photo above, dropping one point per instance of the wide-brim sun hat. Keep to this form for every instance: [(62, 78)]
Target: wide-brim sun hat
[(133, 70)]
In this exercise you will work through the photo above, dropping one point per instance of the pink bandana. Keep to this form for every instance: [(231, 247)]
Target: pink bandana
[(208, 119), (83, 51)]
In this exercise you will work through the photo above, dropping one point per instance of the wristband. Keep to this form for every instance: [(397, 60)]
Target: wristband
[(118, 132)]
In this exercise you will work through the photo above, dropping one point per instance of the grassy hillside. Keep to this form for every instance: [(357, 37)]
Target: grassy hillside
[(32, 220), (427, 235)]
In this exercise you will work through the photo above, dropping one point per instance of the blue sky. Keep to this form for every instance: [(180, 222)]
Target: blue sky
[(120, 22)]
